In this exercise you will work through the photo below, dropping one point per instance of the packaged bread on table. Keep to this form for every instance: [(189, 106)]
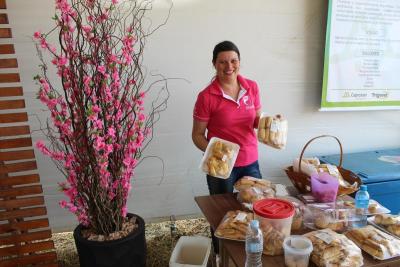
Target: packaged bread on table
[(374, 207), (375, 242), (387, 219), (219, 157), (252, 194), (273, 131), (333, 249), (234, 225), (248, 181), (328, 216), (308, 165), (389, 222)]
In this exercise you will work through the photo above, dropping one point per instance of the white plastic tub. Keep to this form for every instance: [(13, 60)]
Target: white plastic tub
[(191, 251)]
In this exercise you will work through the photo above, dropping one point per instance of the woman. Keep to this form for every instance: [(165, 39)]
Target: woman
[(228, 108)]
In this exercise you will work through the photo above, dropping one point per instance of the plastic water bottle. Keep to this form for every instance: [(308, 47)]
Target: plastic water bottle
[(362, 202), (254, 245)]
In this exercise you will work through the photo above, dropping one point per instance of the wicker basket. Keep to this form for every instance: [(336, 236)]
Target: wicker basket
[(303, 182)]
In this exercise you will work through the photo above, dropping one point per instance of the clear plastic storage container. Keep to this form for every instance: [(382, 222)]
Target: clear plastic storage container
[(219, 158), (275, 217), (297, 251)]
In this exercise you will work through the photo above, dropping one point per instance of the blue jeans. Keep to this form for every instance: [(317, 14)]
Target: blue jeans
[(221, 186)]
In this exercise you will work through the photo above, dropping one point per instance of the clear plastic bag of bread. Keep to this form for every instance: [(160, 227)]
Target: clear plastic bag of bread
[(234, 225), (328, 216), (298, 218), (378, 244), (389, 222), (308, 165), (248, 181), (250, 195), (333, 249), (273, 131), (219, 157)]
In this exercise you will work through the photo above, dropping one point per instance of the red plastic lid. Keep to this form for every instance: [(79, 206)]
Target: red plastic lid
[(273, 208)]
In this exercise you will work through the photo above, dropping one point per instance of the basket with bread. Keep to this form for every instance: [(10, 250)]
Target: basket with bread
[(333, 249), (234, 225), (375, 242), (303, 168)]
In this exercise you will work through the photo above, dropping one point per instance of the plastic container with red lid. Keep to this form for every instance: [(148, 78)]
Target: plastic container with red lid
[(275, 217)]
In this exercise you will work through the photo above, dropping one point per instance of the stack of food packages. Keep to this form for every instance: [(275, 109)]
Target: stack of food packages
[(375, 242), (310, 166), (389, 222), (234, 225), (329, 216), (219, 157), (252, 189), (333, 249), (328, 219), (273, 131)]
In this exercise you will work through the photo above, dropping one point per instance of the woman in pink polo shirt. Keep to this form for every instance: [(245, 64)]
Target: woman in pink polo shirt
[(228, 108)]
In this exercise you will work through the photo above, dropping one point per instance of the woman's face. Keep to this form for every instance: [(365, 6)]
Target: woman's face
[(227, 65)]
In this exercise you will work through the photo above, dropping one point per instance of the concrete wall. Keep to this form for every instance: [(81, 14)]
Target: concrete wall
[(281, 44)]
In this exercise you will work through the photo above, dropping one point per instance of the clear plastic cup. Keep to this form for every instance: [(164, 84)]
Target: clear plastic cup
[(297, 251)]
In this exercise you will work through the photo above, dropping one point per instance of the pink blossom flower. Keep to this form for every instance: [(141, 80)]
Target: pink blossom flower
[(42, 147), (101, 69), (37, 35), (97, 110), (63, 204)]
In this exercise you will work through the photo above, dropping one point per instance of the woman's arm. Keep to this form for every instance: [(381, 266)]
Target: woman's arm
[(199, 134), (258, 115)]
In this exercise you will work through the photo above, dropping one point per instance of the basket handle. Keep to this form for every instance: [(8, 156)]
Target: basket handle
[(321, 136)]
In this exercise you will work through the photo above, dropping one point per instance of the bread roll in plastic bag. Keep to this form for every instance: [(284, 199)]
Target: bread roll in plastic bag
[(272, 131)]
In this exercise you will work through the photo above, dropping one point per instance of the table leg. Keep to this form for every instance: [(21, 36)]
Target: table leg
[(224, 255)]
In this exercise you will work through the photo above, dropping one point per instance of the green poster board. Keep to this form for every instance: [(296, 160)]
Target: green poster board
[(362, 55)]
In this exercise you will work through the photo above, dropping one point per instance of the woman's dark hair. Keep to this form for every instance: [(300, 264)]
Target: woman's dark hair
[(222, 47)]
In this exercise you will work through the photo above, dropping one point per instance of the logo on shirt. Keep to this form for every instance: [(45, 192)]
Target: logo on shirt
[(247, 102)]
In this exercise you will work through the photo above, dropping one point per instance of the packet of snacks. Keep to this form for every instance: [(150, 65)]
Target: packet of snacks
[(378, 244), (272, 131), (248, 181), (308, 165), (219, 157), (250, 195), (332, 249), (234, 225)]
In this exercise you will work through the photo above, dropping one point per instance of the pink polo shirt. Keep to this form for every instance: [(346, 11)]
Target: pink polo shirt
[(231, 120)]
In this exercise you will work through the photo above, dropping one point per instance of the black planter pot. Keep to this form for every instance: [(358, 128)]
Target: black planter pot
[(129, 251)]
